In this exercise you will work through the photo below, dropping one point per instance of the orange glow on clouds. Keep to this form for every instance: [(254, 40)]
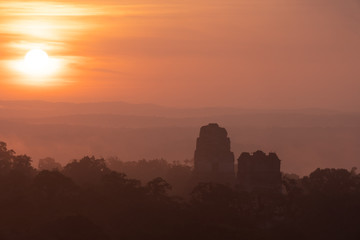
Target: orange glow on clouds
[(50, 9), (276, 53), (33, 26)]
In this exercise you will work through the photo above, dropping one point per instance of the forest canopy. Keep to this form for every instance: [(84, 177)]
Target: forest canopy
[(88, 199)]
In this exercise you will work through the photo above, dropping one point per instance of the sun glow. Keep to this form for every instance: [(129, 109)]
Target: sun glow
[(38, 63)]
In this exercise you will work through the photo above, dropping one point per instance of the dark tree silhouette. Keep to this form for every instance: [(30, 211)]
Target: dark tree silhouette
[(14, 164), (87, 170), (178, 175), (5, 158), (73, 227), (330, 181), (88, 201), (158, 187), (53, 184), (22, 164)]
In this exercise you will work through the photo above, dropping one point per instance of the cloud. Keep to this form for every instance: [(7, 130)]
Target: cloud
[(21, 8)]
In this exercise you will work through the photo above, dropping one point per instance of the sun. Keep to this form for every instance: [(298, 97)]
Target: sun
[(37, 68), (36, 62)]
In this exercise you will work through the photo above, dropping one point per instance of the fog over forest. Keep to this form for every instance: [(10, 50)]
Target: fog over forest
[(304, 139)]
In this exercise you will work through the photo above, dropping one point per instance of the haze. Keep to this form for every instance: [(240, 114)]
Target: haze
[(280, 75), (179, 119)]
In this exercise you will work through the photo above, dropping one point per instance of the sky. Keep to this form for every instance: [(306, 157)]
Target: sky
[(265, 54)]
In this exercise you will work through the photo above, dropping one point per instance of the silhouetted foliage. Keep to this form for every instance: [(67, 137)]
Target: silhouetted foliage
[(14, 164), (330, 182), (178, 175), (22, 164), (87, 170), (5, 158), (158, 187), (88, 201), (74, 227), (53, 184)]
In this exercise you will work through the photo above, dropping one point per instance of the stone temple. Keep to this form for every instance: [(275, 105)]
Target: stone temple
[(258, 171), (214, 162)]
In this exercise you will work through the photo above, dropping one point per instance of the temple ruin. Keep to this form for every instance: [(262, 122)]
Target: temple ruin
[(258, 171), (214, 161)]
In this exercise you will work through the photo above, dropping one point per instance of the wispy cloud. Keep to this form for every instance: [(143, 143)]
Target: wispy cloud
[(22, 8)]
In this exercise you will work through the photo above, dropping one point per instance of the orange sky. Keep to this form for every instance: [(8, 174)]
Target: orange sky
[(244, 53)]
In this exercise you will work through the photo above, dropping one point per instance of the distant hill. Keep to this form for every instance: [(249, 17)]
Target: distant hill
[(29, 109)]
